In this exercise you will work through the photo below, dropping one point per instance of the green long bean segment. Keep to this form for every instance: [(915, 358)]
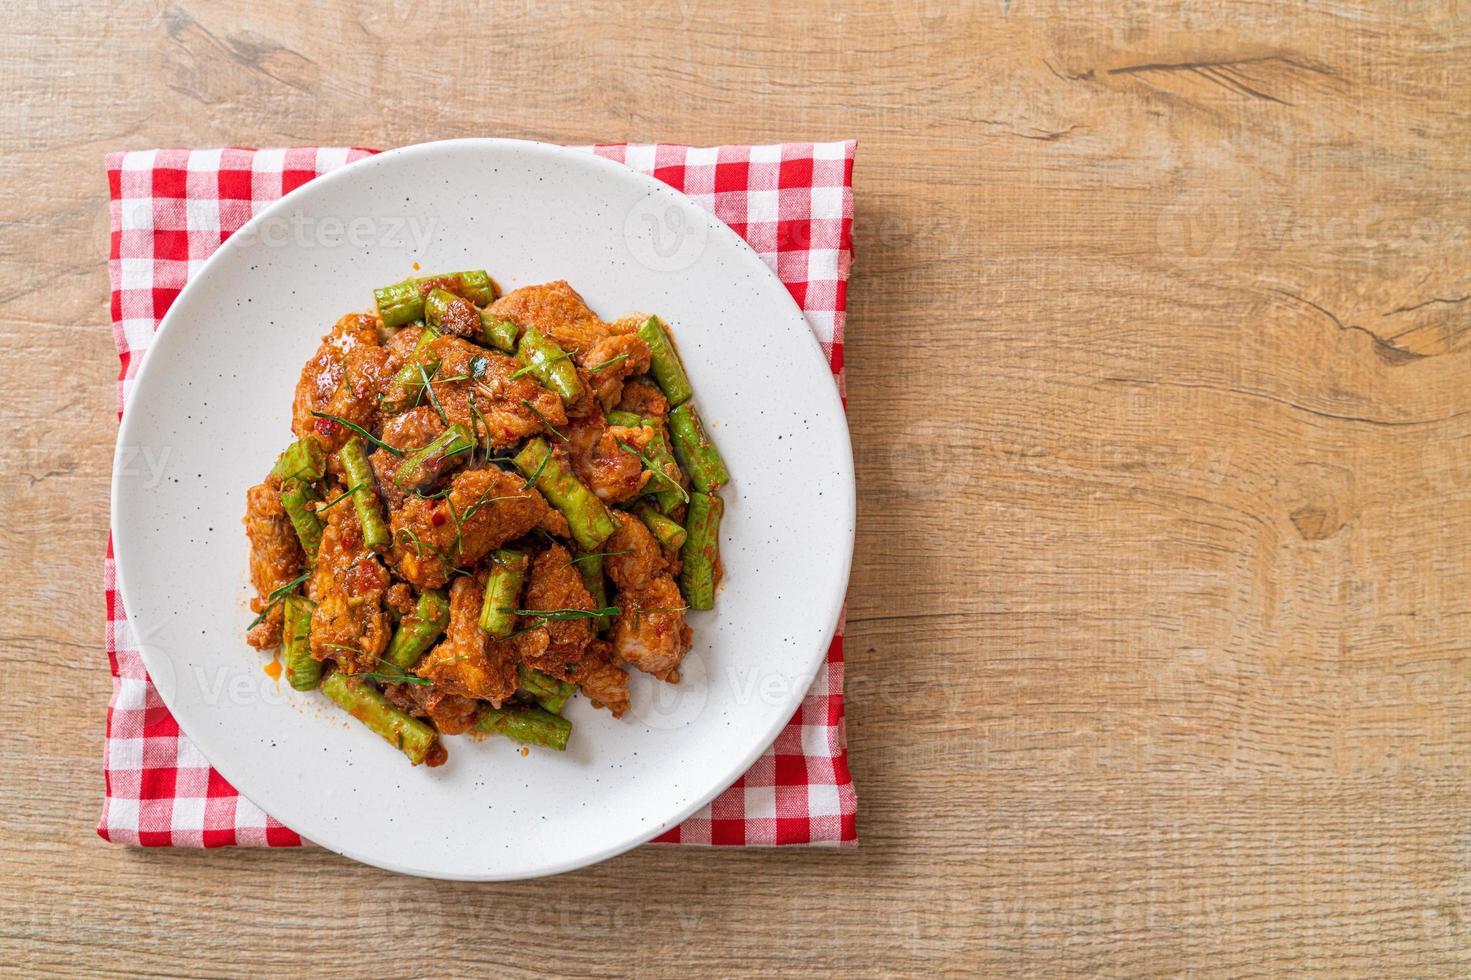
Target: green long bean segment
[(403, 302), (590, 566), (303, 460), (534, 726), (365, 500), (399, 304), (498, 333), (408, 734), (474, 285), (418, 630), (586, 515), (302, 671), (629, 420), (695, 450), (665, 485), (549, 692), (664, 363), (426, 465), (549, 364), (701, 552), (503, 592), (297, 499), (665, 529), (445, 311)]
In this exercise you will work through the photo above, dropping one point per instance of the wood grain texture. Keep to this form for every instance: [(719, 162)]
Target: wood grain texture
[(1157, 370)]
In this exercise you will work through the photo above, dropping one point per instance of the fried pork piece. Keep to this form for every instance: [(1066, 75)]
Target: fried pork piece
[(602, 681), (275, 557), (343, 378), (587, 404), (650, 632), (349, 623), (644, 399), (607, 383), (401, 346), (485, 508), (451, 714), (467, 661), (502, 400), (634, 556), (407, 431), (605, 467), (399, 598), (556, 310), (555, 583), (364, 376), (411, 430)]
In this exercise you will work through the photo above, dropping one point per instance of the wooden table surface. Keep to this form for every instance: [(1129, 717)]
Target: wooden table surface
[(1157, 361)]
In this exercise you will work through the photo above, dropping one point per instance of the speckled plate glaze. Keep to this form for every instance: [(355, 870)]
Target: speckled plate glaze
[(212, 408)]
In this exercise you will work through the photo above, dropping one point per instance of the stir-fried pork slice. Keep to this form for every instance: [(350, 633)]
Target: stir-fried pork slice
[(413, 429), (554, 583), (349, 623), (467, 661), (645, 399), (602, 681), (617, 357), (400, 346), (608, 469), (399, 598), (555, 309), (650, 632), (634, 556), (510, 408), (342, 378), (407, 431), (627, 324), (484, 509), (364, 376), (275, 557), (452, 714)]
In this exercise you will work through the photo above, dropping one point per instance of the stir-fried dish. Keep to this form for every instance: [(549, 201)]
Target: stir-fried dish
[(492, 503)]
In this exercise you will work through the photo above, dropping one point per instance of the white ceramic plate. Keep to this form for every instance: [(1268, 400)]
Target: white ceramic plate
[(211, 410)]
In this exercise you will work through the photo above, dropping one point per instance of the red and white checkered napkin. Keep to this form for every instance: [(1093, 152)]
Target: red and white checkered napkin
[(171, 208)]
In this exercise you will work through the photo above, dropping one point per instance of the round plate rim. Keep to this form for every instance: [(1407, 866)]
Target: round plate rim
[(844, 496)]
